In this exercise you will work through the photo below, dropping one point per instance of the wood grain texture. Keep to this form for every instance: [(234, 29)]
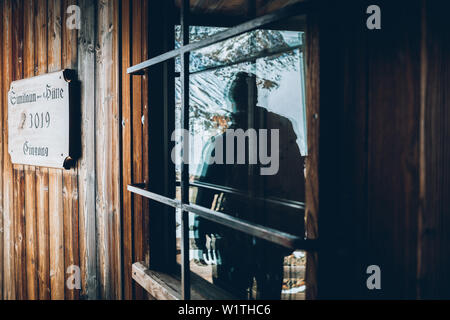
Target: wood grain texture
[(2, 128), (56, 209), (369, 147), (49, 216), (138, 175), (160, 286), (19, 186), (30, 173), (312, 162), (42, 196), (127, 166), (434, 217), (115, 190), (145, 133), (377, 134), (70, 181), (393, 147), (86, 165), (8, 188), (163, 286), (56, 222), (107, 153)]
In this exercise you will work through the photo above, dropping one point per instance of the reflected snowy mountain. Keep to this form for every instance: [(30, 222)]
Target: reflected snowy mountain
[(276, 59)]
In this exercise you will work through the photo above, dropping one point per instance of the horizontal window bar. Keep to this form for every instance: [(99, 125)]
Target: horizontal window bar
[(250, 58), (140, 190), (283, 13), (269, 234), (282, 202), (139, 69), (284, 239), (265, 53)]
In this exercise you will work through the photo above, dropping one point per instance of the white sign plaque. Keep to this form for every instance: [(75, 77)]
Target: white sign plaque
[(39, 120)]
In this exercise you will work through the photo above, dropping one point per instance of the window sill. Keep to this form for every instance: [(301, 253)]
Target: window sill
[(168, 287)]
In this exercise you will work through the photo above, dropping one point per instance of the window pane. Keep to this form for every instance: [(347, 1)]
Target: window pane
[(248, 145), (275, 38), (247, 267)]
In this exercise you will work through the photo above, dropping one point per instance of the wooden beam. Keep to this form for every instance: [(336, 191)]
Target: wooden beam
[(70, 181), (127, 165), (8, 205), (312, 55), (136, 114), (42, 196), (56, 209), (159, 285), (108, 153), (30, 172), (2, 128), (19, 186), (434, 215), (86, 165), (163, 286)]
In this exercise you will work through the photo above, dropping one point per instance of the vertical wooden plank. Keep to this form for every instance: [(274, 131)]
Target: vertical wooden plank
[(421, 239), (42, 204), (393, 147), (2, 128), (312, 162), (107, 153), (127, 165), (69, 239), (8, 207), (42, 196), (70, 183), (102, 161), (19, 186), (145, 139), (352, 118), (56, 235), (137, 136), (56, 213), (434, 217), (86, 165), (115, 190), (30, 175), (19, 234)]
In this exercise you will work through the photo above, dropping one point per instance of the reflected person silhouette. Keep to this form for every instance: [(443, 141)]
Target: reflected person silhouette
[(247, 266)]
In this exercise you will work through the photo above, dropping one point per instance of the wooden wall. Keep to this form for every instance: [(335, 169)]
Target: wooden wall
[(53, 219), (383, 178), (434, 213), (135, 146), (378, 176)]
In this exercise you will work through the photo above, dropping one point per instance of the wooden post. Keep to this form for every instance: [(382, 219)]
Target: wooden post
[(127, 165), (42, 196), (8, 207), (86, 165), (136, 113), (30, 174), (56, 213)]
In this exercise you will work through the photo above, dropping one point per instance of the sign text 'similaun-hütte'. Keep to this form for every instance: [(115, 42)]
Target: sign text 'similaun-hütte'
[(39, 120)]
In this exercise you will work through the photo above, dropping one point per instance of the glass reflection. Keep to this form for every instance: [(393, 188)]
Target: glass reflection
[(265, 93)]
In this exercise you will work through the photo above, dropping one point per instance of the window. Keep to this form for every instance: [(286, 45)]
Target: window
[(238, 148)]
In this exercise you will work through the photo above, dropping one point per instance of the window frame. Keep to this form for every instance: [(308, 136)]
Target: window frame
[(183, 52)]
